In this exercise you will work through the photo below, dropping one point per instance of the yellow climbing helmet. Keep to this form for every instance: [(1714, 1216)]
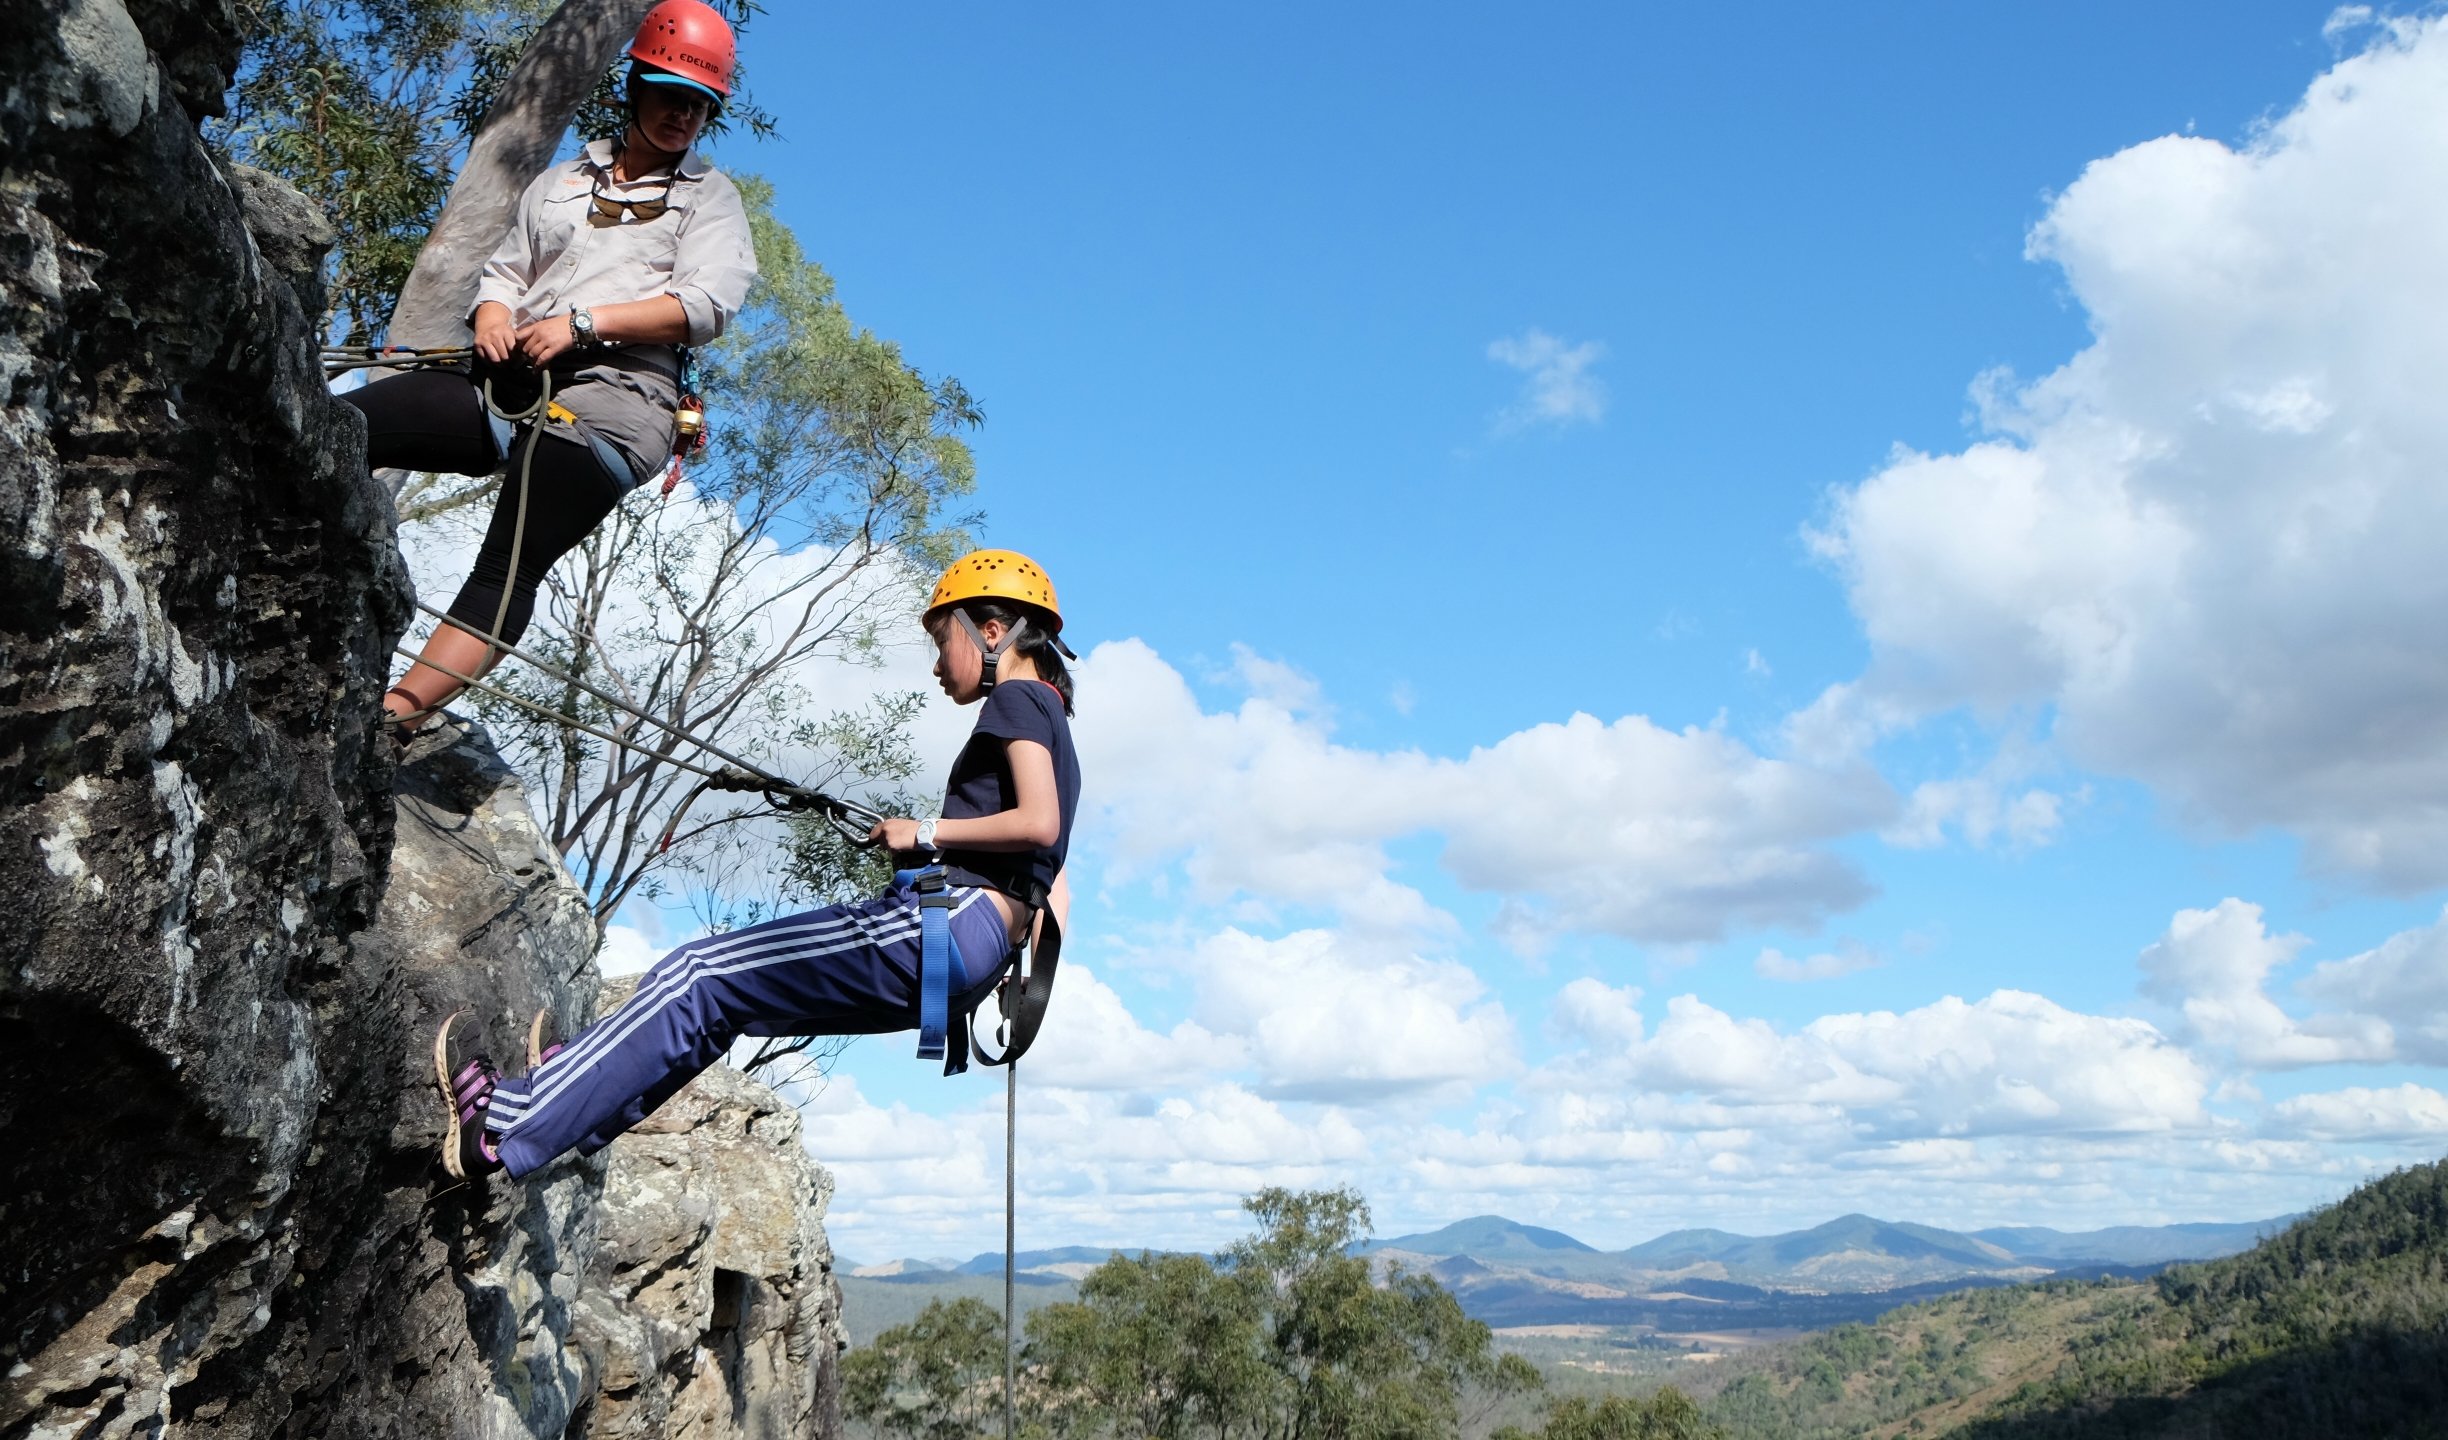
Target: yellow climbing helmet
[(996, 575), (1005, 575)]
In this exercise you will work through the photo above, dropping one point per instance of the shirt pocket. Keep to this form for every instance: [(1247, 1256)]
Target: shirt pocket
[(556, 227)]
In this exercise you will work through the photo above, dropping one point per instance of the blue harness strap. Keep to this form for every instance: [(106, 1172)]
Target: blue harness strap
[(938, 956)]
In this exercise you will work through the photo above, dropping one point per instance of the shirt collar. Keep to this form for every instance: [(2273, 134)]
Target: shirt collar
[(693, 165)]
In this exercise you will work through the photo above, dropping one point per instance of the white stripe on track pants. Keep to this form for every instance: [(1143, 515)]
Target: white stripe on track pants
[(842, 970)]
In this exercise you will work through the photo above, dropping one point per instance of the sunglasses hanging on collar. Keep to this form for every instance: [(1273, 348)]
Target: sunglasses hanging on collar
[(609, 209)]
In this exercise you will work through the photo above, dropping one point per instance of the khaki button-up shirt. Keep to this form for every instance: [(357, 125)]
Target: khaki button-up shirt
[(561, 255)]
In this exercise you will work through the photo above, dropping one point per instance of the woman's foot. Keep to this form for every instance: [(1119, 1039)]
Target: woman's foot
[(537, 1051), (403, 723), (467, 1093)]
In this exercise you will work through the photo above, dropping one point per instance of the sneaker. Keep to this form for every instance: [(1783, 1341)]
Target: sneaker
[(467, 1151)]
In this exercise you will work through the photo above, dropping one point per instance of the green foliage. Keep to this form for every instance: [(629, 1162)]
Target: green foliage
[(1158, 1346), (2337, 1326), (937, 1378), (1285, 1336), (352, 101), (1668, 1414)]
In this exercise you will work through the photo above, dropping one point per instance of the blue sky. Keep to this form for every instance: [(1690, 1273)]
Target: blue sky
[(1954, 461)]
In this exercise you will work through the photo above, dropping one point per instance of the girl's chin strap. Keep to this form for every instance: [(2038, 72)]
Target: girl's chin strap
[(992, 654)]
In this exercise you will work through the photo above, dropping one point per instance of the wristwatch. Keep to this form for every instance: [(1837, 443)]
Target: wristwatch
[(582, 329), (926, 836)]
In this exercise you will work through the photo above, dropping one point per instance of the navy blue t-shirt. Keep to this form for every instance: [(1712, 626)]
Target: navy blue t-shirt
[(981, 784)]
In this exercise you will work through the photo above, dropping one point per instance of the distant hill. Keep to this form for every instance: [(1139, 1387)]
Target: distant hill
[(2134, 1244), (2335, 1327), (1063, 1258), (1853, 1251), (1487, 1237), (871, 1306)]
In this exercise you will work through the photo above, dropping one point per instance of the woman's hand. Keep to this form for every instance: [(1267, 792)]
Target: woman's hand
[(897, 834), (495, 337), (543, 341)]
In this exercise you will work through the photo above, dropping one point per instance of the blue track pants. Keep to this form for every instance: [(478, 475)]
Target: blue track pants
[(842, 970)]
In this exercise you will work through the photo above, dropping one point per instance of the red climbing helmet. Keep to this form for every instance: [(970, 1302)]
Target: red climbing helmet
[(688, 41)]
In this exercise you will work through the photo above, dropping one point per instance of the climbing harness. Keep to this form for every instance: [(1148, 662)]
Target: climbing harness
[(938, 956)]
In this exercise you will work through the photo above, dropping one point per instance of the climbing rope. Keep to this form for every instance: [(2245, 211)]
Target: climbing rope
[(340, 359), (1011, 1210), (850, 819)]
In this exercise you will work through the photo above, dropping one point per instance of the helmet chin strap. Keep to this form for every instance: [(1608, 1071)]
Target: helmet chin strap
[(993, 654)]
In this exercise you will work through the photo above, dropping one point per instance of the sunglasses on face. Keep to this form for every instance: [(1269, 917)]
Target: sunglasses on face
[(609, 209)]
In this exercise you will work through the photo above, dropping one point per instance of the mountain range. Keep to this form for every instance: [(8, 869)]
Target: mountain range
[(1488, 1257)]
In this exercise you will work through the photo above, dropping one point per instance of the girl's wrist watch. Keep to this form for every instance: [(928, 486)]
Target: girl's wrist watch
[(582, 329), (926, 836)]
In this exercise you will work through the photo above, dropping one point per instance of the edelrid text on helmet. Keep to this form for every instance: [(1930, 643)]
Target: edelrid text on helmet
[(690, 41)]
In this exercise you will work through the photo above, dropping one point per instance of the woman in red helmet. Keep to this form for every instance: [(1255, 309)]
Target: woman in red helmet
[(616, 260)]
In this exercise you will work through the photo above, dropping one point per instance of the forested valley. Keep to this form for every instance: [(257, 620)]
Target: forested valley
[(2336, 1327)]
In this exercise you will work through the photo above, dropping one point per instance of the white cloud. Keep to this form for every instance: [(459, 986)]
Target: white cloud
[(1848, 959), (1631, 829), (2215, 963), (2205, 543), (1327, 1017), (1091, 1041), (1559, 388), (626, 950), (1602, 1017), (2402, 983), (2406, 1112), (1625, 827), (2010, 1063)]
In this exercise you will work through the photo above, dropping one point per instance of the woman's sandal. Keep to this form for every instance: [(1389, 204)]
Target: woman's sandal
[(467, 1151), (405, 728)]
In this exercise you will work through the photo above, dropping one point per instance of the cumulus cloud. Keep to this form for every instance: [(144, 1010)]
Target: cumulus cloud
[(2216, 963), (1600, 1017), (2402, 983), (1557, 386), (1621, 827), (2010, 1063), (1091, 1041), (1325, 1016), (626, 950), (2204, 544), (2407, 1112)]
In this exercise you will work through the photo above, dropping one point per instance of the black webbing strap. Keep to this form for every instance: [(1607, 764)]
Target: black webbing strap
[(1023, 995)]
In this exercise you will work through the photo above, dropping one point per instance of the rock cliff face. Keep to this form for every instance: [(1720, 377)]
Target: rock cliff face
[(221, 1215), (711, 1308)]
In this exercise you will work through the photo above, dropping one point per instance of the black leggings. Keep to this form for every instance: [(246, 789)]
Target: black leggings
[(435, 420)]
